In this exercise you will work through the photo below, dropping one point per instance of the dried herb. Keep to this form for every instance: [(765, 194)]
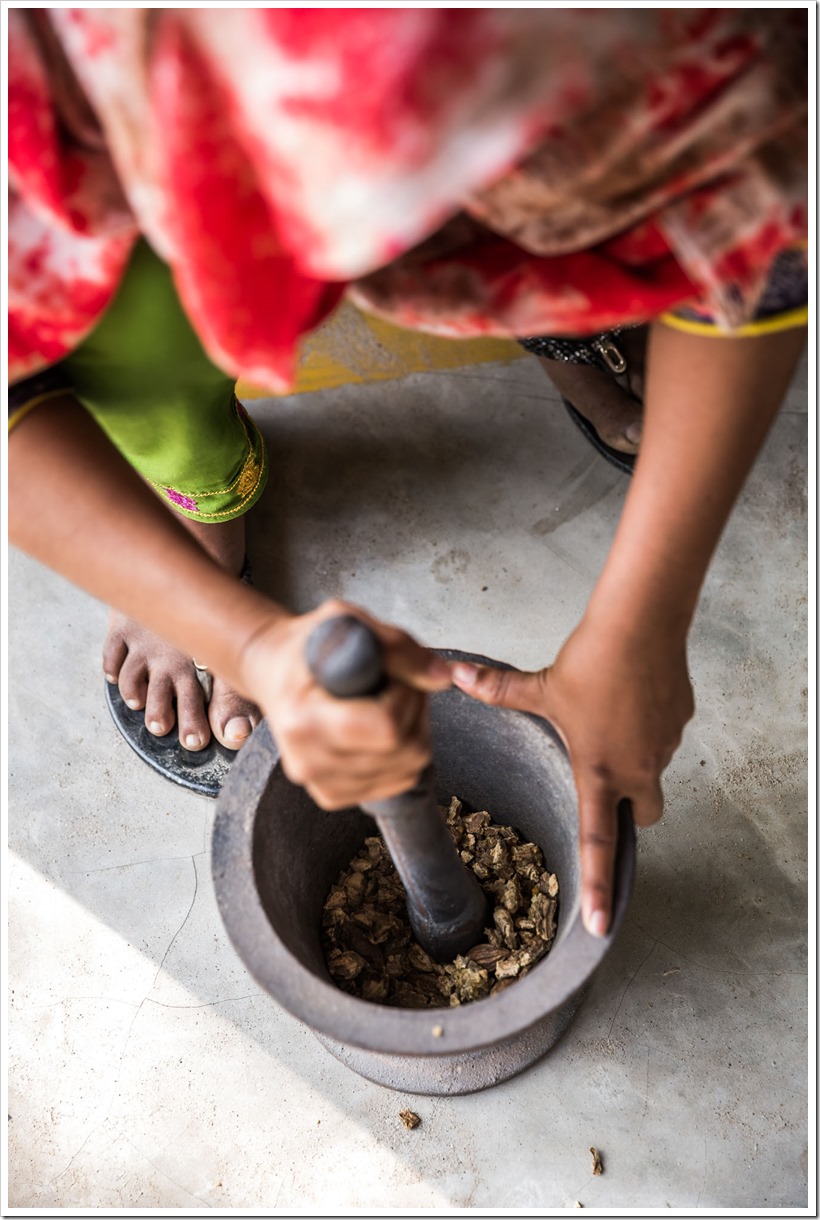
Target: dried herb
[(369, 946), (409, 1118), (597, 1163)]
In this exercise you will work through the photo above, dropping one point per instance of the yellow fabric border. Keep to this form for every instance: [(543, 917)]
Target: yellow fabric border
[(22, 412), (766, 326)]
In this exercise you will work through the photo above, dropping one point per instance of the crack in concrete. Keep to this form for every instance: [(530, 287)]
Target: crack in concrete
[(62, 1172), (741, 974), (193, 860), (279, 1190), (129, 1031), (629, 984), (167, 1176), (234, 999), (113, 868), (76, 999)]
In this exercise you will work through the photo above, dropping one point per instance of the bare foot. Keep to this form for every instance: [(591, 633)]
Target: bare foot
[(611, 404), (154, 676)]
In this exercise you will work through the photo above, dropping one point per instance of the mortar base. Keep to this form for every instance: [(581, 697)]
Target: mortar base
[(453, 1075)]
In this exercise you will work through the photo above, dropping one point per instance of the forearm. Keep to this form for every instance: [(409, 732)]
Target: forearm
[(618, 690), (79, 507), (709, 403)]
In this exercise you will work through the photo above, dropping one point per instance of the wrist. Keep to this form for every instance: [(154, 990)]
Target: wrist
[(641, 610), (652, 577), (230, 618), (259, 645)]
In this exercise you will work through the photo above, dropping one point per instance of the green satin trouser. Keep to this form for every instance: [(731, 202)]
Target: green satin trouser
[(143, 375)]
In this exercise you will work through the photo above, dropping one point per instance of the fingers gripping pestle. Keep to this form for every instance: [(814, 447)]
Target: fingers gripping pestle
[(447, 907)]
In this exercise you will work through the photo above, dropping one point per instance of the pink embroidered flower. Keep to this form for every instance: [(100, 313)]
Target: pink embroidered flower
[(181, 501)]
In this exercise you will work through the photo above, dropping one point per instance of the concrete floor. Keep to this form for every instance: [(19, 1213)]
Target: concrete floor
[(147, 1070)]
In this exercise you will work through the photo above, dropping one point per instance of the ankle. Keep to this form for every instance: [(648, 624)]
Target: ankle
[(224, 541)]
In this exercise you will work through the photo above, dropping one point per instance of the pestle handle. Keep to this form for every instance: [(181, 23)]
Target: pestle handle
[(447, 906), (345, 658)]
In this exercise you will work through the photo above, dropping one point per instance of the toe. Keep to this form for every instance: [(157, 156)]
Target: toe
[(133, 682), (611, 410), (236, 731), (633, 432), (115, 650), (194, 730), (232, 718), (159, 706)]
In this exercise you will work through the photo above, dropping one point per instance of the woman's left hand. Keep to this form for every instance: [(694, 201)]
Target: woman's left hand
[(620, 702), (619, 691)]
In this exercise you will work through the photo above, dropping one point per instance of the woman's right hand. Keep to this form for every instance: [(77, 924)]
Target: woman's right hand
[(344, 751)]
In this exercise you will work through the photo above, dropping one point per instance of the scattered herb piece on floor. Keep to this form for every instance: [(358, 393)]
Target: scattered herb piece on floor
[(597, 1163), (409, 1118), (369, 947)]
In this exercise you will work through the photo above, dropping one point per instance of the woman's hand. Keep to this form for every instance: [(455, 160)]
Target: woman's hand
[(620, 703), (344, 751), (619, 691)]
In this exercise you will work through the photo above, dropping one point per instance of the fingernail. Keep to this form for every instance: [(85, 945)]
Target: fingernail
[(597, 923), (155, 727), (464, 675), (193, 741), (134, 704), (438, 670), (111, 678), (633, 432), (238, 728)]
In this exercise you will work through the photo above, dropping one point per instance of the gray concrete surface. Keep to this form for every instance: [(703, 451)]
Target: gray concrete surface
[(147, 1070)]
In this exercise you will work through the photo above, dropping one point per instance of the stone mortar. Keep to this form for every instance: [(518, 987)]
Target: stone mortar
[(275, 855)]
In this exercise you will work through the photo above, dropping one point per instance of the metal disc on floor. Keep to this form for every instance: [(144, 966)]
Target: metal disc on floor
[(202, 771)]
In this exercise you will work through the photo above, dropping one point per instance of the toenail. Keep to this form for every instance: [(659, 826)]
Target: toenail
[(156, 727), (238, 728), (192, 741), (134, 704)]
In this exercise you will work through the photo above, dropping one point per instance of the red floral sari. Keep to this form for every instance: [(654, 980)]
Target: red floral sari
[(485, 171)]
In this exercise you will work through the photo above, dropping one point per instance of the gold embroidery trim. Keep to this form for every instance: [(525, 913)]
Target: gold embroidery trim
[(246, 483)]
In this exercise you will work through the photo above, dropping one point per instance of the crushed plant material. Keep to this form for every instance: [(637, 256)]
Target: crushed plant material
[(409, 1118), (369, 946), (597, 1163)]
